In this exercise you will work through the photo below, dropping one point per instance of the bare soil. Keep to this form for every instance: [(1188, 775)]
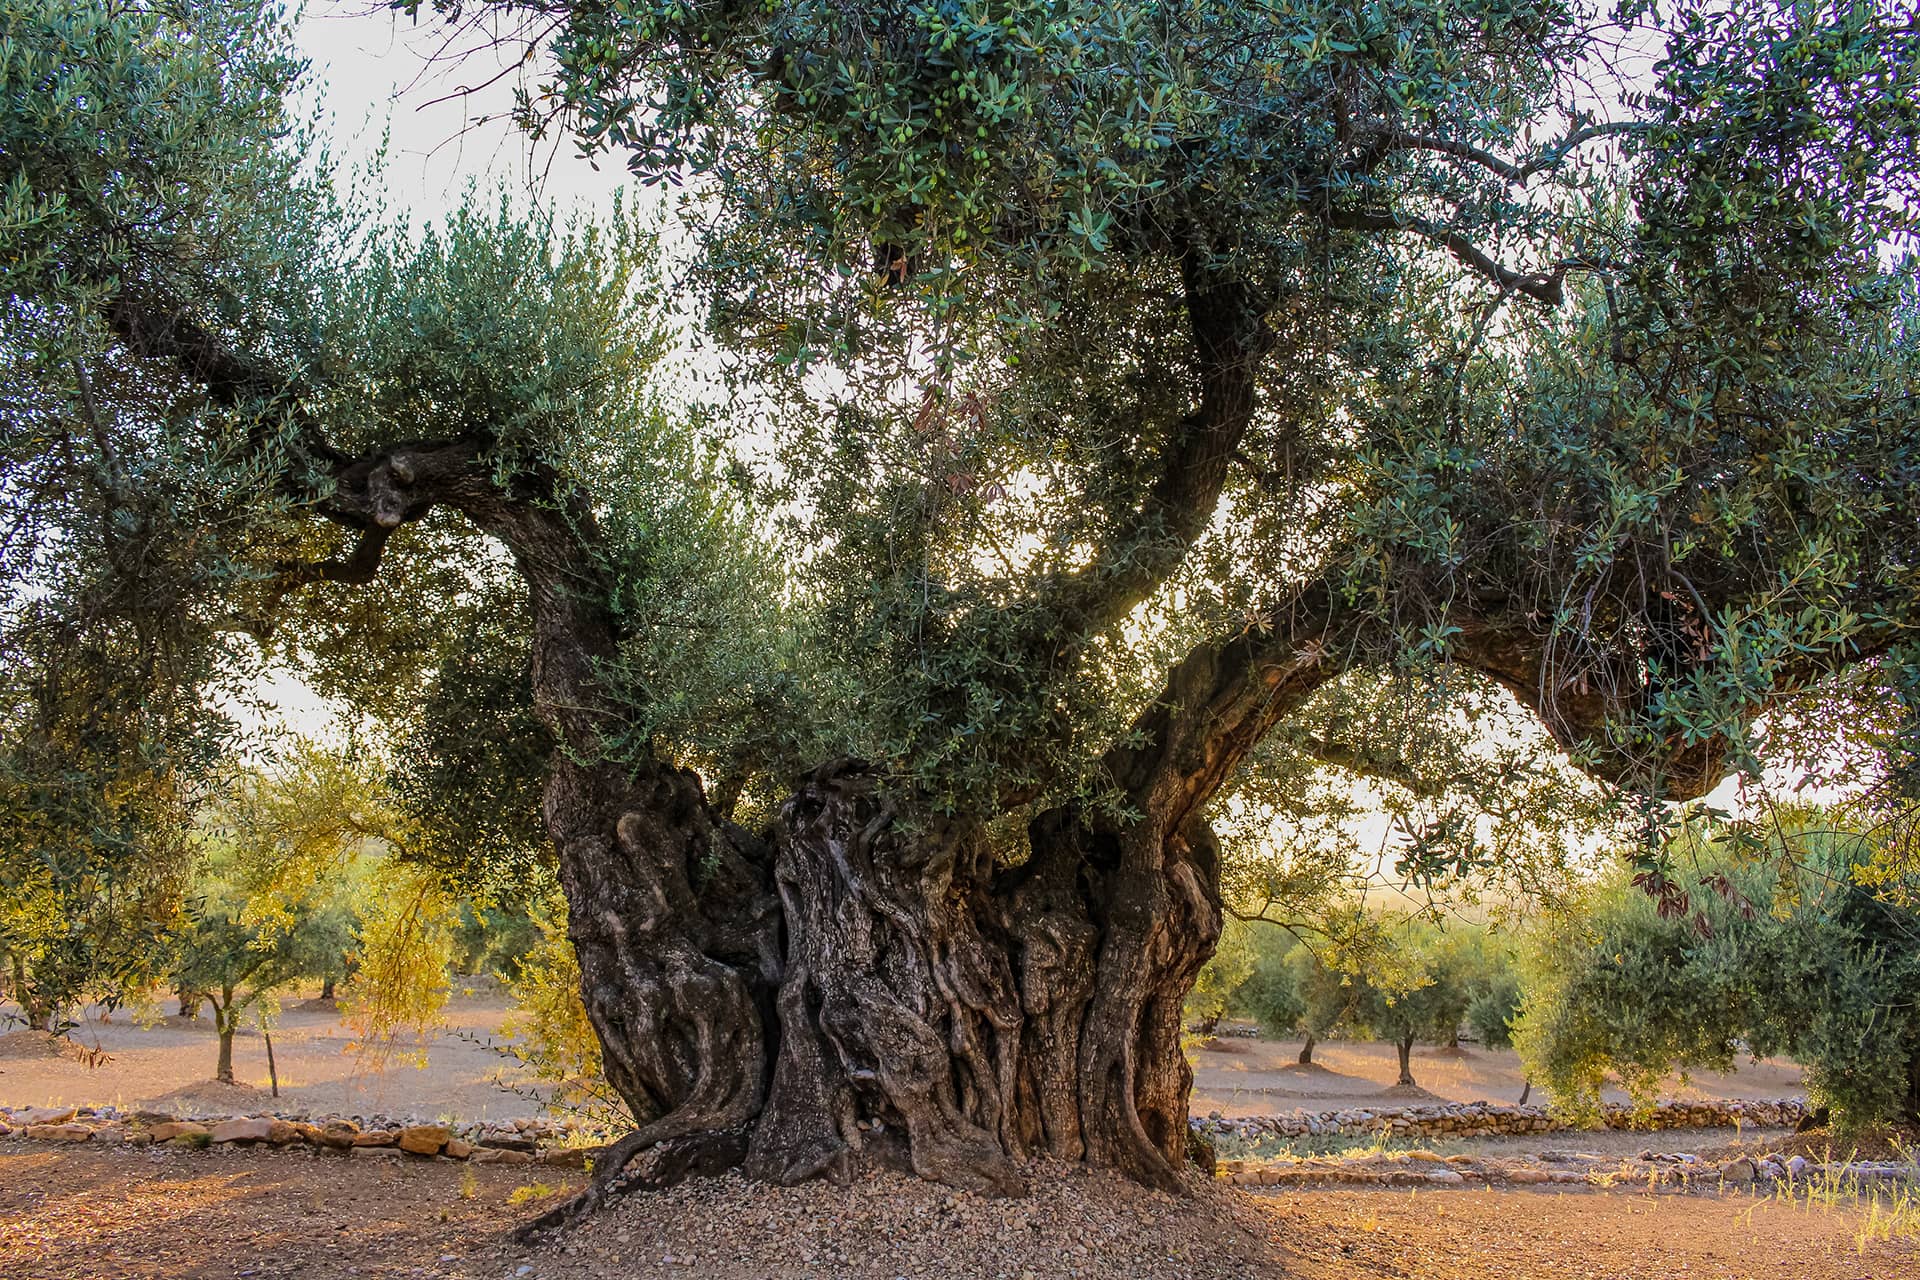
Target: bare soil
[(166, 1064), (114, 1214), (1240, 1076)]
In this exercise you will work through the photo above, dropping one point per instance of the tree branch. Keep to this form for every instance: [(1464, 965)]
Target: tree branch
[(1547, 287), (1514, 174), (1224, 697), (1230, 339)]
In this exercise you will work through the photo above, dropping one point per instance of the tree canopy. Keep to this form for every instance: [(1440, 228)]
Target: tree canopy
[(1099, 387)]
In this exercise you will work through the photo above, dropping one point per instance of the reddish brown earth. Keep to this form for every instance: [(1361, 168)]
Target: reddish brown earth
[(85, 1214)]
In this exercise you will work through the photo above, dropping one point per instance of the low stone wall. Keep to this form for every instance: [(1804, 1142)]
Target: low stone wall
[(569, 1145), (519, 1142), (1487, 1119)]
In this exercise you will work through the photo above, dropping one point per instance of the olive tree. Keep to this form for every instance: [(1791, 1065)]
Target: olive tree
[(1104, 383)]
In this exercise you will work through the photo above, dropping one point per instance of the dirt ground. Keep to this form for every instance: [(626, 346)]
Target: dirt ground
[(83, 1214), (168, 1065), (1239, 1077)]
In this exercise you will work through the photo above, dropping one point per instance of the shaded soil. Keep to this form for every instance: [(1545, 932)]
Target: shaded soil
[(200, 1216)]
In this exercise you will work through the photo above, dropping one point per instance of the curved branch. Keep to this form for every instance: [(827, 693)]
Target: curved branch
[(1230, 339), (1224, 697), (1547, 287), (1514, 174)]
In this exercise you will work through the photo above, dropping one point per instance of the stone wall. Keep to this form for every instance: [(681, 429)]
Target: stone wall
[(567, 1144), (1487, 1119), (518, 1142)]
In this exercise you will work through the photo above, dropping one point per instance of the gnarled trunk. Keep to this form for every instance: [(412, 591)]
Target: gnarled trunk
[(1306, 1050), (934, 1010)]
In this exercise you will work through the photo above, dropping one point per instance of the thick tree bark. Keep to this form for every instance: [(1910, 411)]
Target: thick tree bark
[(1306, 1050), (1405, 1046)]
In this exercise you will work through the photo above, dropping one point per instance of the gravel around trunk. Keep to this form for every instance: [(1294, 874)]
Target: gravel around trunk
[(83, 1213)]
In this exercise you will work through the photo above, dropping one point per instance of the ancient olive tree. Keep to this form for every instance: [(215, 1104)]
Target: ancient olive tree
[(1102, 382)]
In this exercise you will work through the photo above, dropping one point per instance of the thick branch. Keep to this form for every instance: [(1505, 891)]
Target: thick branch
[(1230, 339), (233, 379), (1223, 698), (1361, 762)]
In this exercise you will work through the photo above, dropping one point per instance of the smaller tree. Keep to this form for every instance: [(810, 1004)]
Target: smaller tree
[(1417, 987), (1803, 942), (1495, 1002), (235, 960), (1270, 995)]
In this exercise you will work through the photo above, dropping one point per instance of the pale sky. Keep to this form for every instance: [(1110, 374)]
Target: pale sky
[(377, 71)]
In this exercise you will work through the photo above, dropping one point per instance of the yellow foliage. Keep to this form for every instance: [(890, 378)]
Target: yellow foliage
[(406, 950), (549, 1031)]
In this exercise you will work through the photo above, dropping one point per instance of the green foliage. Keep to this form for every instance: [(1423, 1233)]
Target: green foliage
[(99, 773), (242, 939), (1787, 952), (1223, 977), (1495, 1003), (548, 1030), (945, 252), (1273, 994)]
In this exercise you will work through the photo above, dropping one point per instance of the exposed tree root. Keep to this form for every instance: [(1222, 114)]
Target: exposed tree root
[(657, 1163)]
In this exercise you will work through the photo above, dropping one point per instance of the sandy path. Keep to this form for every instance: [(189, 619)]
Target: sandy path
[(169, 1065), (1259, 1077)]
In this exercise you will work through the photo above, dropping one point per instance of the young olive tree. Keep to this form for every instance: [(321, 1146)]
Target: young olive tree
[(1120, 376), (239, 963)]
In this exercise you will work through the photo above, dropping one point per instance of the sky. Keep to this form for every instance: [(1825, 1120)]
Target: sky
[(375, 72)]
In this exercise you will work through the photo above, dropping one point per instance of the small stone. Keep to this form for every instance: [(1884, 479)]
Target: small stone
[(59, 1132), (284, 1132), (27, 1117), (171, 1129), (500, 1155), (424, 1139), (375, 1138), (506, 1139), (1738, 1172), (241, 1130), (458, 1150), (336, 1134)]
